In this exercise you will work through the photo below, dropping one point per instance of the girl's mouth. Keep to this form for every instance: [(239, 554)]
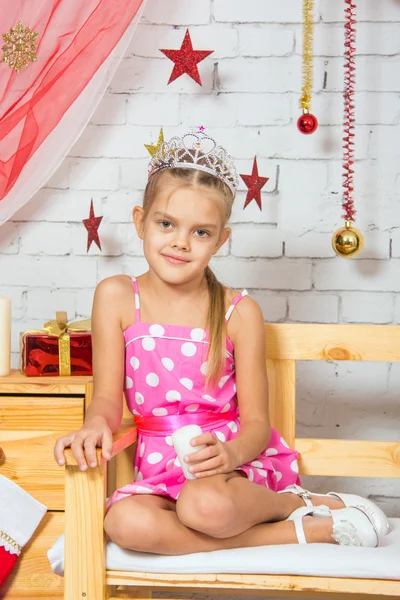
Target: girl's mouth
[(175, 260)]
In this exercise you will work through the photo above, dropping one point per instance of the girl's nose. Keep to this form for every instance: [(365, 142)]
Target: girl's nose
[(180, 241)]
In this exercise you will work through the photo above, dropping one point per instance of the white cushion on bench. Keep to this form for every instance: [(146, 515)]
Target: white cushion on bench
[(326, 560)]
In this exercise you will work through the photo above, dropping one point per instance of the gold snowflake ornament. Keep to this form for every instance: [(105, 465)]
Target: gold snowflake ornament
[(20, 47)]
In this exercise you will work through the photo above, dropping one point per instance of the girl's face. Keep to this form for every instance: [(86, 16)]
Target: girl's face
[(182, 230)]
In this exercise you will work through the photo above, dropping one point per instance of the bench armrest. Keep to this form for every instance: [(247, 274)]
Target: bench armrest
[(122, 439)]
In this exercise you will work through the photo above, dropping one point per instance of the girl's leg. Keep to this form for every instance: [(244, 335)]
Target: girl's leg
[(150, 524), (227, 505)]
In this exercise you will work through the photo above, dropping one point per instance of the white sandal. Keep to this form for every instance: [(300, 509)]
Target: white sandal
[(376, 515), (351, 526)]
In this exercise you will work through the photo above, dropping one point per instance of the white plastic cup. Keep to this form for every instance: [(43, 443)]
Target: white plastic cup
[(181, 442)]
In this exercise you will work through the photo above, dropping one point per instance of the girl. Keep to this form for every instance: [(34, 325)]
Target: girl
[(190, 350)]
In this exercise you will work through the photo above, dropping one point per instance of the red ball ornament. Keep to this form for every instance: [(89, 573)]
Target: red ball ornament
[(307, 123)]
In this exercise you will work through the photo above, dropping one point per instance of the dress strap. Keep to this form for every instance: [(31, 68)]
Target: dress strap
[(235, 301), (137, 298)]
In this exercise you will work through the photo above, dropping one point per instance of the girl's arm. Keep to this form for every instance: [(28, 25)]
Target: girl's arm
[(104, 413), (108, 353), (246, 330)]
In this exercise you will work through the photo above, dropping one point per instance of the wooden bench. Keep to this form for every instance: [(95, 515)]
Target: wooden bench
[(85, 574)]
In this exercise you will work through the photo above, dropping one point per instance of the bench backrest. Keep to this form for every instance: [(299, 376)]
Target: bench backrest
[(286, 344)]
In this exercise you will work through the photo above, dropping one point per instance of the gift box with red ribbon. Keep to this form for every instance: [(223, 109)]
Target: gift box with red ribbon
[(60, 348)]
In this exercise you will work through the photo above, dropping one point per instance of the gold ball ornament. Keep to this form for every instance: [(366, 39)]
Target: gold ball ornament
[(348, 241)]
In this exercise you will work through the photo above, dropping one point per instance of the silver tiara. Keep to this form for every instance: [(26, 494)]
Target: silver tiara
[(196, 151)]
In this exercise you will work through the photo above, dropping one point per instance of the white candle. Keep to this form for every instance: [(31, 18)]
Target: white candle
[(181, 442), (5, 336)]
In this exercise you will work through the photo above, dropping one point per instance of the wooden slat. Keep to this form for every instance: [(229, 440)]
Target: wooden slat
[(84, 534), (32, 577), (282, 397), (123, 592), (18, 383), (350, 458), (30, 413), (307, 587), (333, 342)]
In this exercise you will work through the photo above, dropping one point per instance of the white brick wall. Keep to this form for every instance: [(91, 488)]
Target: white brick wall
[(283, 253)]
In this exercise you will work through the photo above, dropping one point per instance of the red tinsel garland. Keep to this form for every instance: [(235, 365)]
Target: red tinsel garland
[(348, 124)]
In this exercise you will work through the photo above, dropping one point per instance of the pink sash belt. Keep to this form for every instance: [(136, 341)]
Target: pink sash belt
[(167, 424)]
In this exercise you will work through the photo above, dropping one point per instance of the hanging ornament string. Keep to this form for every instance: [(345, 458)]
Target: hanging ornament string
[(348, 124), (307, 123), (348, 241)]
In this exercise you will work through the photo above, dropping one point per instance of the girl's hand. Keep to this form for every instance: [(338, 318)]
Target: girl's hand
[(217, 458), (84, 442)]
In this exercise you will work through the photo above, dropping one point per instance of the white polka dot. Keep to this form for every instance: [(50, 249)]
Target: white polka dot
[(204, 368), (159, 412), (140, 489), (170, 464), (192, 407), (294, 466), (162, 486), (154, 458), (152, 379), (128, 382), (232, 426), (256, 463), (284, 442), (142, 448), (188, 349), (187, 383), (261, 472), (168, 440), (168, 363), (135, 362), (135, 412), (278, 475), (234, 387), (139, 398), (173, 396), (220, 436), (209, 398), (251, 475), (271, 451), (139, 476), (177, 462), (197, 334), (148, 343), (223, 380), (156, 330), (226, 408)]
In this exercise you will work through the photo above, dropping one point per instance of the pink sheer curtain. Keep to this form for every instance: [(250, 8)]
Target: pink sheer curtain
[(74, 39)]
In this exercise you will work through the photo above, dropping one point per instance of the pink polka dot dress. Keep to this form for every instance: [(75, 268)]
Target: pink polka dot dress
[(165, 367)]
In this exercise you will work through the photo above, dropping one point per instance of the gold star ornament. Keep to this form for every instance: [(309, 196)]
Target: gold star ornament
[(152, 149), (20, 47)]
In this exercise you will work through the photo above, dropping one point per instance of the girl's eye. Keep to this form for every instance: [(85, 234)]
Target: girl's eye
[(202, 233), (165, 224)]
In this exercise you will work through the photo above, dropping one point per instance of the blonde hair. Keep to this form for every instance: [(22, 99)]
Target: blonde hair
[(216, 312)]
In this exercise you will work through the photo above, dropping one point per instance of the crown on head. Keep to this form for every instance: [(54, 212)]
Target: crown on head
[(196, 151)]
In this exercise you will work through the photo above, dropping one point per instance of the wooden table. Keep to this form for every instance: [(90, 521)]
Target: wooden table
[(34, 412)]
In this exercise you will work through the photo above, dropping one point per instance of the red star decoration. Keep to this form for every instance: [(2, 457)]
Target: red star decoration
[(254, 184), (186, 59), (92, 224)]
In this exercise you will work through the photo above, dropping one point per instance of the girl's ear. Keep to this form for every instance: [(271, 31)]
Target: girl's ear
[(224, 236), (138, 219)]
